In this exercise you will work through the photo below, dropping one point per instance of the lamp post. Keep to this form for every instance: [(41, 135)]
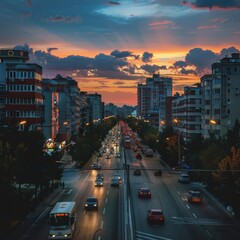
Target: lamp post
[(178, 136), (214, 122)]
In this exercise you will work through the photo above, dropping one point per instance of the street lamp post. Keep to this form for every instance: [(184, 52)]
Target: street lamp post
[(179, 146)]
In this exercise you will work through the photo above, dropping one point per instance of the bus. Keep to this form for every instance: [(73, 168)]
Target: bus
[(62, 220)]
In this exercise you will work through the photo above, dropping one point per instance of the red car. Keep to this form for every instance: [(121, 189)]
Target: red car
[(138, 156), (155, 216)]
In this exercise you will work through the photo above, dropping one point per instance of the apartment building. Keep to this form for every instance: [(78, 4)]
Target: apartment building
[(153, 98), (186, 111), (221, 96), (21, 100)]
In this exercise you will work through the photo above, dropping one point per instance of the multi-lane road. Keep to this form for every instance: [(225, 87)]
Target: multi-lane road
[(183, 220)]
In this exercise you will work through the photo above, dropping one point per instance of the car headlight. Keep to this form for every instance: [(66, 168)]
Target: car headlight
[(52, 235), (95, 205), (86, 205)]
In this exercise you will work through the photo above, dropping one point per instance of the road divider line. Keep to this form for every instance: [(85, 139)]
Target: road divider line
[(101, 225), (104, 211), (209, 234), (106, 200), (194, 215), (178, 192), (188, 206)]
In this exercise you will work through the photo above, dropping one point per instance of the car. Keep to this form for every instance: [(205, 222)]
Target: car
[(114, 182), (138, 156), (184, 178), (91, 203), (155, 216), (158, 173), (194, 197), (144, 193), (118, 176), (137, 172), (108, 156), (96, 166), (100, 175), (100, 154), (98, 182), (117, 155)]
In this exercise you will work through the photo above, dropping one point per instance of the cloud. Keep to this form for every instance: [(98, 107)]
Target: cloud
[(23, 47), (208, 27), (123, 54), (213, 4), (199, 61), (113, 3), (220, 20), (63, 19), (152, 68), (147, 57), (163, 22), (49, 50)]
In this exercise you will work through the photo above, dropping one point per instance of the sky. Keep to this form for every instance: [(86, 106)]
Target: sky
[(109, 47)]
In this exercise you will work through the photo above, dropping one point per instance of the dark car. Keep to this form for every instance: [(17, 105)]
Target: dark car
[(100, 175), (155, 216), (158, 173), (100, 154), (194, 197), (137, 172), (144, 193), (96, 166), (138, 156), (91, 203)]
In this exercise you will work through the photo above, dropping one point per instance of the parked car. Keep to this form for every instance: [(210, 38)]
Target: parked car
[(144, 193), (137, 172), (155, 216), (118, 176), (184, 178), (91, 203), (194, 197)]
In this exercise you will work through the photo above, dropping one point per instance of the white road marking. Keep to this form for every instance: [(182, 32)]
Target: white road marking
[(194, 215), (178, 193), (106, 200), (188, 206), (99, 238), (104, 211), (107, 191), (101, 225), (209, 234), (141, 235)]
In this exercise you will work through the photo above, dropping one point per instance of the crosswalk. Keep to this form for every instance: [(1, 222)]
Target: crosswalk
[(147, 236)]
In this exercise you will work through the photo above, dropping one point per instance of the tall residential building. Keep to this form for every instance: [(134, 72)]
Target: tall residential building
[(153, 98), (221, 96), (97, 106), (68, 107), (51, 103), (186, 109), (21, 99)]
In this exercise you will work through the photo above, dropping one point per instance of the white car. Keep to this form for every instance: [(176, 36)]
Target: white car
[(184, 178)]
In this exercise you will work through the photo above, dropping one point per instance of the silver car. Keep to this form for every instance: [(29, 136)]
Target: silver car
[(184, 178)]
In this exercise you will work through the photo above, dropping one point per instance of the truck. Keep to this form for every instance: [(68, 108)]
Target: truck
[(148, 152)]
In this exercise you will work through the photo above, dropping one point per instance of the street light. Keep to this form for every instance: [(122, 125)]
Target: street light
[(179, 147)]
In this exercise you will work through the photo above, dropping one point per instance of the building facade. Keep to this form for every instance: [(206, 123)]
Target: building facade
[(153, 98), (221, 96), (21, 100)]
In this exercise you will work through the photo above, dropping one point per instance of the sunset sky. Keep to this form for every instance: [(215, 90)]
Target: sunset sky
[(110, 46)]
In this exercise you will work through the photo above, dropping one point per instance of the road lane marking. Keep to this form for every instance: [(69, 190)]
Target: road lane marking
[(108, 192), (104, 211), (101, 225), (188, 206), (106, 200), (143, 235), (178, 193), (209, 234), (194, 215), (99, 238)]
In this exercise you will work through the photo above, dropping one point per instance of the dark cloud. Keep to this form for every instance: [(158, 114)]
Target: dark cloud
[(213, 4), (24, 47), (64, 19), (147, 57), (113, 3), (49, 50), (123, 54), (152, 68), (101, 65), (199, 61)]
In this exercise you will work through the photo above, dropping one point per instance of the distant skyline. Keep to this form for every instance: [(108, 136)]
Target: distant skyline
[(110, 46)]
